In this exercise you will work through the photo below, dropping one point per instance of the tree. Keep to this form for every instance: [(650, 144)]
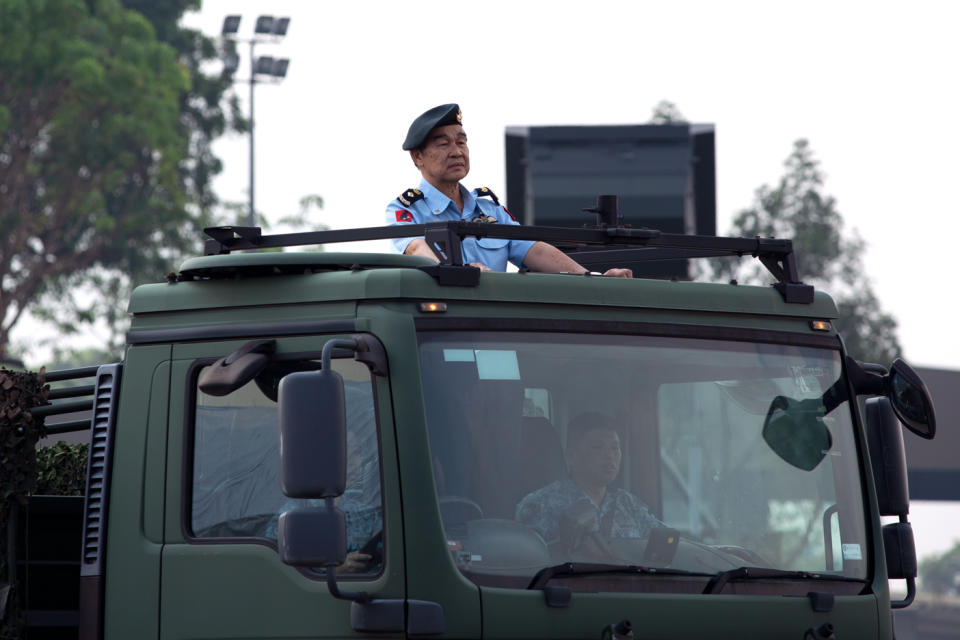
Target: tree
[(202, 107), (105, 161), (828, 258), (667, 112), (940, 573)]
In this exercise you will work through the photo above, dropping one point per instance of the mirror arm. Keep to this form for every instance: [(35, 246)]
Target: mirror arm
[(370, 352), (330, 345), (356, 596), (867, 379)]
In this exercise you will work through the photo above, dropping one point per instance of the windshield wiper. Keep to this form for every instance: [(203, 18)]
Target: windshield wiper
[(718, 581), (546, 574)]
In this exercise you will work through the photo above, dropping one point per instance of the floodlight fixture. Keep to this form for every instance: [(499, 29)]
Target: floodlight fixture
[(280, 26), (264, 24), (279, 68), (230, 25), (264, 65)]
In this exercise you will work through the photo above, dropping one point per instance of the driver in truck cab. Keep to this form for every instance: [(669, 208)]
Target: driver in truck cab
[(583, 508), (438, 148)]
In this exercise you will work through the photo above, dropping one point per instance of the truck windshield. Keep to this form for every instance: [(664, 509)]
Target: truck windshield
[(696, 455)]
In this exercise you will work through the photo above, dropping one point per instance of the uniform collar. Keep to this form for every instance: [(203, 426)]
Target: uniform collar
[(438, 202)]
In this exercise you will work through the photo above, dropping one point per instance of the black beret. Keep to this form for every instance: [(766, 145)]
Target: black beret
[(428, 121)]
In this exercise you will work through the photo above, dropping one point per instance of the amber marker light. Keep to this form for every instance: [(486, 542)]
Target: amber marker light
[(820, 325), (433, 307)]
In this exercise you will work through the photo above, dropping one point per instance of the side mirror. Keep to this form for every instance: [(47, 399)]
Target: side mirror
[(887, 458), (906, 390), (911, 400), (312, 537), (901, 555), (795, 431), (313, 434), (313, 464)]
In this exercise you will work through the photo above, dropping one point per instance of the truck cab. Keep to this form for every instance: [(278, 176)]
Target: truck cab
[(356, 445)]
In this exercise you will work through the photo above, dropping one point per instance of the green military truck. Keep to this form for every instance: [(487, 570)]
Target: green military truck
[(335, 445)]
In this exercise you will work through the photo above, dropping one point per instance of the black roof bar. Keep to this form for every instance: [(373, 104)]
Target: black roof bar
[(618, 243)]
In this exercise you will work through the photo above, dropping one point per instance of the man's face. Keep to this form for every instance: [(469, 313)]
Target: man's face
[(595, 460), (445, 157)]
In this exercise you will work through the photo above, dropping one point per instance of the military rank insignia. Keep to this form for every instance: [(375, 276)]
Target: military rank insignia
[(404, 216), (410, 196), (486, 219), (485, 192)]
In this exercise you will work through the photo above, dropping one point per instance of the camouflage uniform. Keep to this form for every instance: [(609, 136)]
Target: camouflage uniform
[(621, 514)]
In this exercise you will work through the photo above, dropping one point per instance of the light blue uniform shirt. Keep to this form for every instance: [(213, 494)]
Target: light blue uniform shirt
[(436, 207)]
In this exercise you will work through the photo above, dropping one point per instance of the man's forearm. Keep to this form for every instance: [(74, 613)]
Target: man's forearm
[(547, 258), (419, 247)]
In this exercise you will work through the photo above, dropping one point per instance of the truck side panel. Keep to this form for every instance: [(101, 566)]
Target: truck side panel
[(132, 580)]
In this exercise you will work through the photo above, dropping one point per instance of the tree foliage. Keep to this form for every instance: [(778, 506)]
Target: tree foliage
[(828, 258), (940, 574), (667, 112), (106, 125), (19, 433), (62, 469)]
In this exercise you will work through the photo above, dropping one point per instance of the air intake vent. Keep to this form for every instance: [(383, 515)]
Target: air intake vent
[(105, 396)]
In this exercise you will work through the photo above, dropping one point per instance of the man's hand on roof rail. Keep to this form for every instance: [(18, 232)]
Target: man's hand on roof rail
[(546, 257), (619, 273)]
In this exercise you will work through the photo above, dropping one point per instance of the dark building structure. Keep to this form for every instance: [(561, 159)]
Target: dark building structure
[(934, 467), (663, 175)]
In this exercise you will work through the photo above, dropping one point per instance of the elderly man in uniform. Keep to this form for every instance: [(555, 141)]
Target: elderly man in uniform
[(438, 147), (584, 505)]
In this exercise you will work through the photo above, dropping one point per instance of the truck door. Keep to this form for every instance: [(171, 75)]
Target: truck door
[(221, 574)]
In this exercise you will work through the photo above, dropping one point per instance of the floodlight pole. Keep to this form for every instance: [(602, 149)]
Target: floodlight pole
[(277, 28), (251, 216)]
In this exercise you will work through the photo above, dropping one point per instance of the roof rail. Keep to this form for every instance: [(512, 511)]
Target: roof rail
[(601, 244)]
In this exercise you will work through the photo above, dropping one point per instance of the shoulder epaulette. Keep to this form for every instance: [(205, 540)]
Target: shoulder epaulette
[(484, 191), (410, 196)]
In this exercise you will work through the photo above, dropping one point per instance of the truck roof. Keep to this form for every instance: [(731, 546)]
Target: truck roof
[(265, 279)]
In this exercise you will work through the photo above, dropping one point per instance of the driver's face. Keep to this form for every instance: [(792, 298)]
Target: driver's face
[(595, 459)]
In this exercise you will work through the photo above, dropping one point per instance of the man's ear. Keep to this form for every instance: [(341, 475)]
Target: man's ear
[(416, 155)]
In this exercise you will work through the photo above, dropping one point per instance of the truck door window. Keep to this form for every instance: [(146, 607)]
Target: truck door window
[(672, 432), (235, 485)]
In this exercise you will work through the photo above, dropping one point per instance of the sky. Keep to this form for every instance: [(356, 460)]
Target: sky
[(872, 85)]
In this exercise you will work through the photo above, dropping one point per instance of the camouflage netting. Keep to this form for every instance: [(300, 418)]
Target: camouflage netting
[(19, 433)]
